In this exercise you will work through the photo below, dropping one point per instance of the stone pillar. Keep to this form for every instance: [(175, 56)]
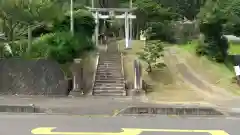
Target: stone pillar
[(137, 90), (77, 75), (137, 75)]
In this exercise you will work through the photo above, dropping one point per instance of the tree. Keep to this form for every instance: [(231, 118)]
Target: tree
[(152, 51), (212, 19), (149, 11), (185, 8), (37, 13), (9, 9), (26, 14)]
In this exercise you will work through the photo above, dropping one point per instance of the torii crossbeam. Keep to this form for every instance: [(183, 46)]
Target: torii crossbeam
[(127, 15)]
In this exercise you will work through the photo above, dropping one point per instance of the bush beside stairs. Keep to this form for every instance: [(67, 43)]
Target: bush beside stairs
[(109, 79)]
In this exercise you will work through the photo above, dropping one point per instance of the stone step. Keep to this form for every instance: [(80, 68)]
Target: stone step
[(109, 78), (109, 85), (108, 89), (109, 73), (110, 60), (109, 69), (110, 53), (113, 68), (110, 57), (109, 94), (110, 81), (105, 55), (109, 66)]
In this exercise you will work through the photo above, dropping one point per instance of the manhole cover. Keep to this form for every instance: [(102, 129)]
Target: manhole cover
[(198, 111)]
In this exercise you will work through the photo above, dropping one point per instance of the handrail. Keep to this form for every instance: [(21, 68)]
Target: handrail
[(95, 72), (122, 64)]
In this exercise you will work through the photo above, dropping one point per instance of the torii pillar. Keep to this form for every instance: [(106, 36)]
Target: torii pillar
[(96, 27), (126, 30)]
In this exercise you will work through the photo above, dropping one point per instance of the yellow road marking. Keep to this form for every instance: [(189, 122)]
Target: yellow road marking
[(125, 131)]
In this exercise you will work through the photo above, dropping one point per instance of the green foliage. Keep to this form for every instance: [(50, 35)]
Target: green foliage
[(83, 23), (39, 17), (212, 17), (152, 11), (153, 50), (185, 8), (61, 46), (160, 31)]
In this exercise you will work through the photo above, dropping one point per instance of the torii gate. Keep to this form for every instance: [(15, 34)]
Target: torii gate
[(127, 15)]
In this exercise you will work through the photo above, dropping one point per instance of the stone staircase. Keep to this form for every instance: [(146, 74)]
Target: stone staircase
[(109, 80)]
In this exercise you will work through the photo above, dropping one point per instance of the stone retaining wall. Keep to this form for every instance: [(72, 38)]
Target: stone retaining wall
[(32, 77)]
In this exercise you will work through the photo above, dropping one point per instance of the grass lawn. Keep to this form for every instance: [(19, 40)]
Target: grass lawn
[(234, 49), (215, 73), (165, 86)]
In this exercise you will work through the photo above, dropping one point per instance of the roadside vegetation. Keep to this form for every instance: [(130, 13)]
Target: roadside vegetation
[(41, 30), (162, 81), (197, 28)]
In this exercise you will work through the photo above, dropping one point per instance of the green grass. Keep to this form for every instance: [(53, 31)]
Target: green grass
[(234, 49), (190, 46), (165, 85), (216, 73)]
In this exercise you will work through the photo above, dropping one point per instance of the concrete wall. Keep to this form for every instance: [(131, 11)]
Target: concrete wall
[(32, 77)]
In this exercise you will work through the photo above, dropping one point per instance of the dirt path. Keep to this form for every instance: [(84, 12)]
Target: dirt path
[(210, 91)]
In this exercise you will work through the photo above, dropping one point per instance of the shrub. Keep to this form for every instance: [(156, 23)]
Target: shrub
[(83, 23), (152, 51), (18, 48), (61, 46), (160, 31)]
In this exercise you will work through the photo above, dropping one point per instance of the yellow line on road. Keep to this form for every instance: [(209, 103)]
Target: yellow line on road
[(125, 131)]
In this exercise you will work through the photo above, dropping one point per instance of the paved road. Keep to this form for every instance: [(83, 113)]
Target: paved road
[(76, 125)]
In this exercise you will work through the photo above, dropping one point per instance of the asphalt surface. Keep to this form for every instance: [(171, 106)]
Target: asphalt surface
[(76, 125), (95, 116)]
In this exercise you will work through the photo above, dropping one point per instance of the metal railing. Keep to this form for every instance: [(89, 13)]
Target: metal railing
[(94, 74)]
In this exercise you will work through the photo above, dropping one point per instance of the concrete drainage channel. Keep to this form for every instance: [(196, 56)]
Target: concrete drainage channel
[(179, 111), (188, 111), (20, 109)]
